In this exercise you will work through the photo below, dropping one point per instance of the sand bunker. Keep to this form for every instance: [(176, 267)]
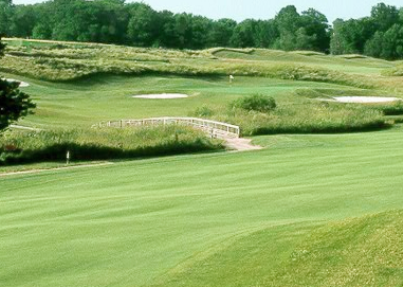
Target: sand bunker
[(161, 96), (22, 84), (364, 100)]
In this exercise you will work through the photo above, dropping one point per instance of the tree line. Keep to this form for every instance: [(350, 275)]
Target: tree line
[(137, 24)]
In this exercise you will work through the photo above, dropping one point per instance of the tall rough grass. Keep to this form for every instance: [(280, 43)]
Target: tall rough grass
[(309, 117), (67, 61), (102, 144), (394, 72)]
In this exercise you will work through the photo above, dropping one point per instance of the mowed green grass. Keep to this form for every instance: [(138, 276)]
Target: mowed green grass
[(103, 98), (233, 219)]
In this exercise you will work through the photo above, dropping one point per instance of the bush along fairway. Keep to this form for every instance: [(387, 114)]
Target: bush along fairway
[(102, 144)]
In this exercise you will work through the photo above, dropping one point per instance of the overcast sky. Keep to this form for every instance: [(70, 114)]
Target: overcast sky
[(260, 9)]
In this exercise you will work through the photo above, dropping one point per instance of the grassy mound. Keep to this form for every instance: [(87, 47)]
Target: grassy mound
[(304, 117), (63, 61), (358, 252), (352, 56), (103, 144), (71, 64), (330, 93), (394, 72), (308, 53), (234, 50), (354, 253)]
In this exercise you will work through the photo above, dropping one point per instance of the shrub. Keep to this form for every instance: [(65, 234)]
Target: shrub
[(203, 112), (395, 109), (257, 102)]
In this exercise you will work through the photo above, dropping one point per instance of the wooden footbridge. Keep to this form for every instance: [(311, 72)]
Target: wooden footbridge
[(212, 128)]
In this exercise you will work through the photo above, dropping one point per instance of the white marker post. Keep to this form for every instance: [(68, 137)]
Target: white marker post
[(68, 157)]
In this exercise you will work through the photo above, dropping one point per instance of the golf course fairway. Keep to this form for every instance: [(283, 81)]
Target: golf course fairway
[(218, 219)]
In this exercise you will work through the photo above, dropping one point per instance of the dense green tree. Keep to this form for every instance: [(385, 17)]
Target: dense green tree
[(2, 47), (349, 37), (6, 17), (385, 16), (392, 46), (244, 33), (182, 24), (142, 27), (287, 21), (200, 32), (14, 104), (374, 46), (23, 21), (168, 37), (221, 33), (338, 41), (303, 41), (265, 33), (110, 21), (44, 20), (316, 28), (376, 36), (67, 22)]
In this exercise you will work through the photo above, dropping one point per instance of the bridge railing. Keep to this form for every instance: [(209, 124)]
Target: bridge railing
[(213, 128)]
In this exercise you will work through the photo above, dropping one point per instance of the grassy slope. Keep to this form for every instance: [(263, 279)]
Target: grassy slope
[(355, 252), (175, 219), (72, 61), (365, 65)]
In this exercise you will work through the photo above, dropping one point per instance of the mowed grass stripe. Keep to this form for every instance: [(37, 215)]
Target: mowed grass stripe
[(130, 223)]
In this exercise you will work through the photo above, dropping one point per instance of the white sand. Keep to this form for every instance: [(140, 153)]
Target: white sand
[(364, 100), (22, 84), (161, 96)]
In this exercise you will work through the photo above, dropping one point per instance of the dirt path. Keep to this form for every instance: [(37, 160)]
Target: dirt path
[(53, 169), (241, 144), (24, 128)]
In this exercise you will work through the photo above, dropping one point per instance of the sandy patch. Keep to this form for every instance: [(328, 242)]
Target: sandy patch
[(161, 96), (241, 144), (22, 84), (364, 100)]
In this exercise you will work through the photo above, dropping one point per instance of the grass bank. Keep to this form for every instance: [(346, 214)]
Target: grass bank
[(355, 252), (305, 117), (101, 144)]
